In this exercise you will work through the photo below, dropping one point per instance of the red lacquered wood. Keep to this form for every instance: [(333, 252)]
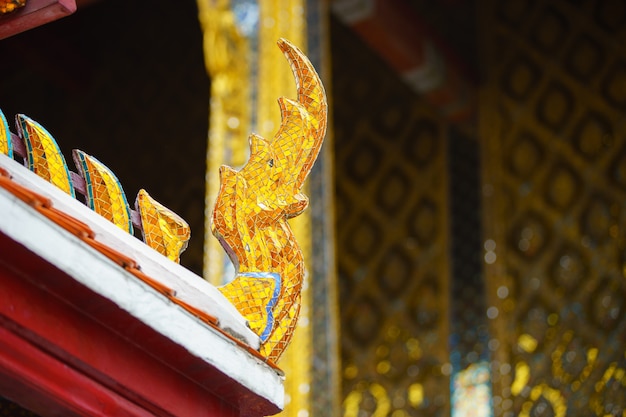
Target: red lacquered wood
[(34, 13), (61, 334), (396, 33), (48, 387)]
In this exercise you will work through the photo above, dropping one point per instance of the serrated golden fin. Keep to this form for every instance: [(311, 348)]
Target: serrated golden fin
[(253, 206), (43, 155), (162, 229), (312, 97), (105, 195)]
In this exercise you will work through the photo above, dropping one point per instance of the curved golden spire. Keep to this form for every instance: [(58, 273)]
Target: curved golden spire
[(253, 205)]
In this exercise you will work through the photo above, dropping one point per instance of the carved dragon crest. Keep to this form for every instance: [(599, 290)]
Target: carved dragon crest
[(250, 214), (253, 206)]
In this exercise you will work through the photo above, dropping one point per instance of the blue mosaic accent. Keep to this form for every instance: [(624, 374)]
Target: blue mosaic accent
[(5, 126), (247, 16), (269, 308)]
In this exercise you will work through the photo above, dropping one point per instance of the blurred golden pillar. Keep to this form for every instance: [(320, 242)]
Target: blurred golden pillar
[(285, 18)]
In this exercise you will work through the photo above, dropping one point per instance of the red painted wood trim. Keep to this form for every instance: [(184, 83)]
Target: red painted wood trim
[(34, 13), (122, 357), (46, 386), (396, 33)]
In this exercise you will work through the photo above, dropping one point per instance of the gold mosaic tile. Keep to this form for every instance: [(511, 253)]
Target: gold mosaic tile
[(104, 192), (7, 6), (43, 154), (6, 145), (253, 206), (255, 296), (162, 229)]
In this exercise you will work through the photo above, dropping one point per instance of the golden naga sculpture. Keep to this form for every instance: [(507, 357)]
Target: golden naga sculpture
[(250, 214), (254, 204)]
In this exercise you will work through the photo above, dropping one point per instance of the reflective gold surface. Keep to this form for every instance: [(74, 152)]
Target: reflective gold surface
[(226, 56), (393, 240), (162, 229), (43, 154), (253, 205), (104, 192)]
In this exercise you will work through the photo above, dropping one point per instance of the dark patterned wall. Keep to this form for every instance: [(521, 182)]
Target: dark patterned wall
[(391, 213), (554, 134)]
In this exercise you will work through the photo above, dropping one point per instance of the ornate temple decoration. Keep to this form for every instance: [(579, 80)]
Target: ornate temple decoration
[(393, 234), (162, 229), (105, 195), (43, 154), (553, 130), (254, 204), (286, 19), (251, 211), (250, 28), (7, 6)]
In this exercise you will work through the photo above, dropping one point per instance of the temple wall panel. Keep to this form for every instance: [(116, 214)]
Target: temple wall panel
[(391, 203), (552, 131)]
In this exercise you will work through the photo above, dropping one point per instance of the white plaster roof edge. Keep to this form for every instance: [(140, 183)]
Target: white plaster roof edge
[(59, 247), (189, 287)]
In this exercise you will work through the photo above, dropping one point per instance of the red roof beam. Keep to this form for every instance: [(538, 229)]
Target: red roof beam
[(394, 31)]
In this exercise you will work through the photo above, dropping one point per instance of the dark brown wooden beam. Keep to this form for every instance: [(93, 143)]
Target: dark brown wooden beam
[(394, 31)]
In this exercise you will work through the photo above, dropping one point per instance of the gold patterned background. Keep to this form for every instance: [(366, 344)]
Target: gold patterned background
[(553, 133), (391, 196)]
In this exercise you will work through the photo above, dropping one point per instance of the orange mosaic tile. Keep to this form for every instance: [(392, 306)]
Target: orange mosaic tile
[(104, 192)]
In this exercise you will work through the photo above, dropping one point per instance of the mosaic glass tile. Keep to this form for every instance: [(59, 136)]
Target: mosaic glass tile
[(7, 6), (6, 145), (104, 192), (254, 203), (162, 229), (43, 154), (255, 295)]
